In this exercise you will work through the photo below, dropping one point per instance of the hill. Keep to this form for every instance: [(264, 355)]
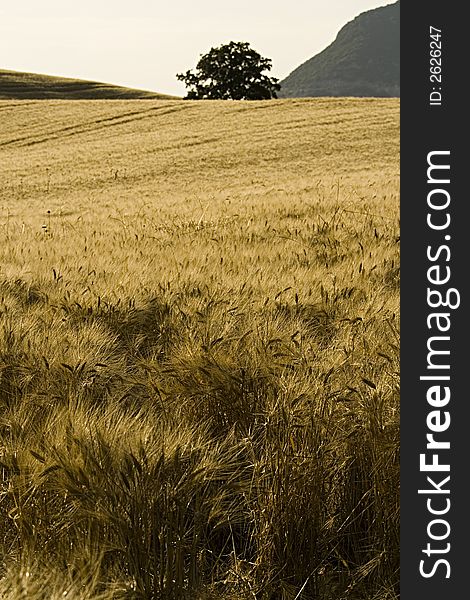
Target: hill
[(364, 60), (15, 85)]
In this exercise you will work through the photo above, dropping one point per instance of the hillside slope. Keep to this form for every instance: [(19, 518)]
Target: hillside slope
[(177, 148), (15, 85), (364, 60)]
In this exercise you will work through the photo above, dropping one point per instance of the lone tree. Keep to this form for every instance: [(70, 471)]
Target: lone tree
[(232, 71)]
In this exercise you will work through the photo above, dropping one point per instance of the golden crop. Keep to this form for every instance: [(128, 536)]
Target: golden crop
[(199, 313)]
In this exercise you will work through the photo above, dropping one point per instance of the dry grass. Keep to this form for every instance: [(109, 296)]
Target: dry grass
[(199, 349), (17, 85)]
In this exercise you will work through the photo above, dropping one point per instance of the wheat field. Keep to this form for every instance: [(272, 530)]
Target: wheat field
[(199, 349)]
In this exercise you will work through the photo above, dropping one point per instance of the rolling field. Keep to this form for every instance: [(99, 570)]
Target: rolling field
[(199, 349), (17, 85)]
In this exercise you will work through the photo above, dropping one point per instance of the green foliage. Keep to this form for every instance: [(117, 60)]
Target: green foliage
[(232, 71)]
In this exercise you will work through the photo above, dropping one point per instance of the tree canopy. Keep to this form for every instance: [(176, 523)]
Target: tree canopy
[(231, 71)]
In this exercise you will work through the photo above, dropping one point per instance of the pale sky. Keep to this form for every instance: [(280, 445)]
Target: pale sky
[(144, 43)]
